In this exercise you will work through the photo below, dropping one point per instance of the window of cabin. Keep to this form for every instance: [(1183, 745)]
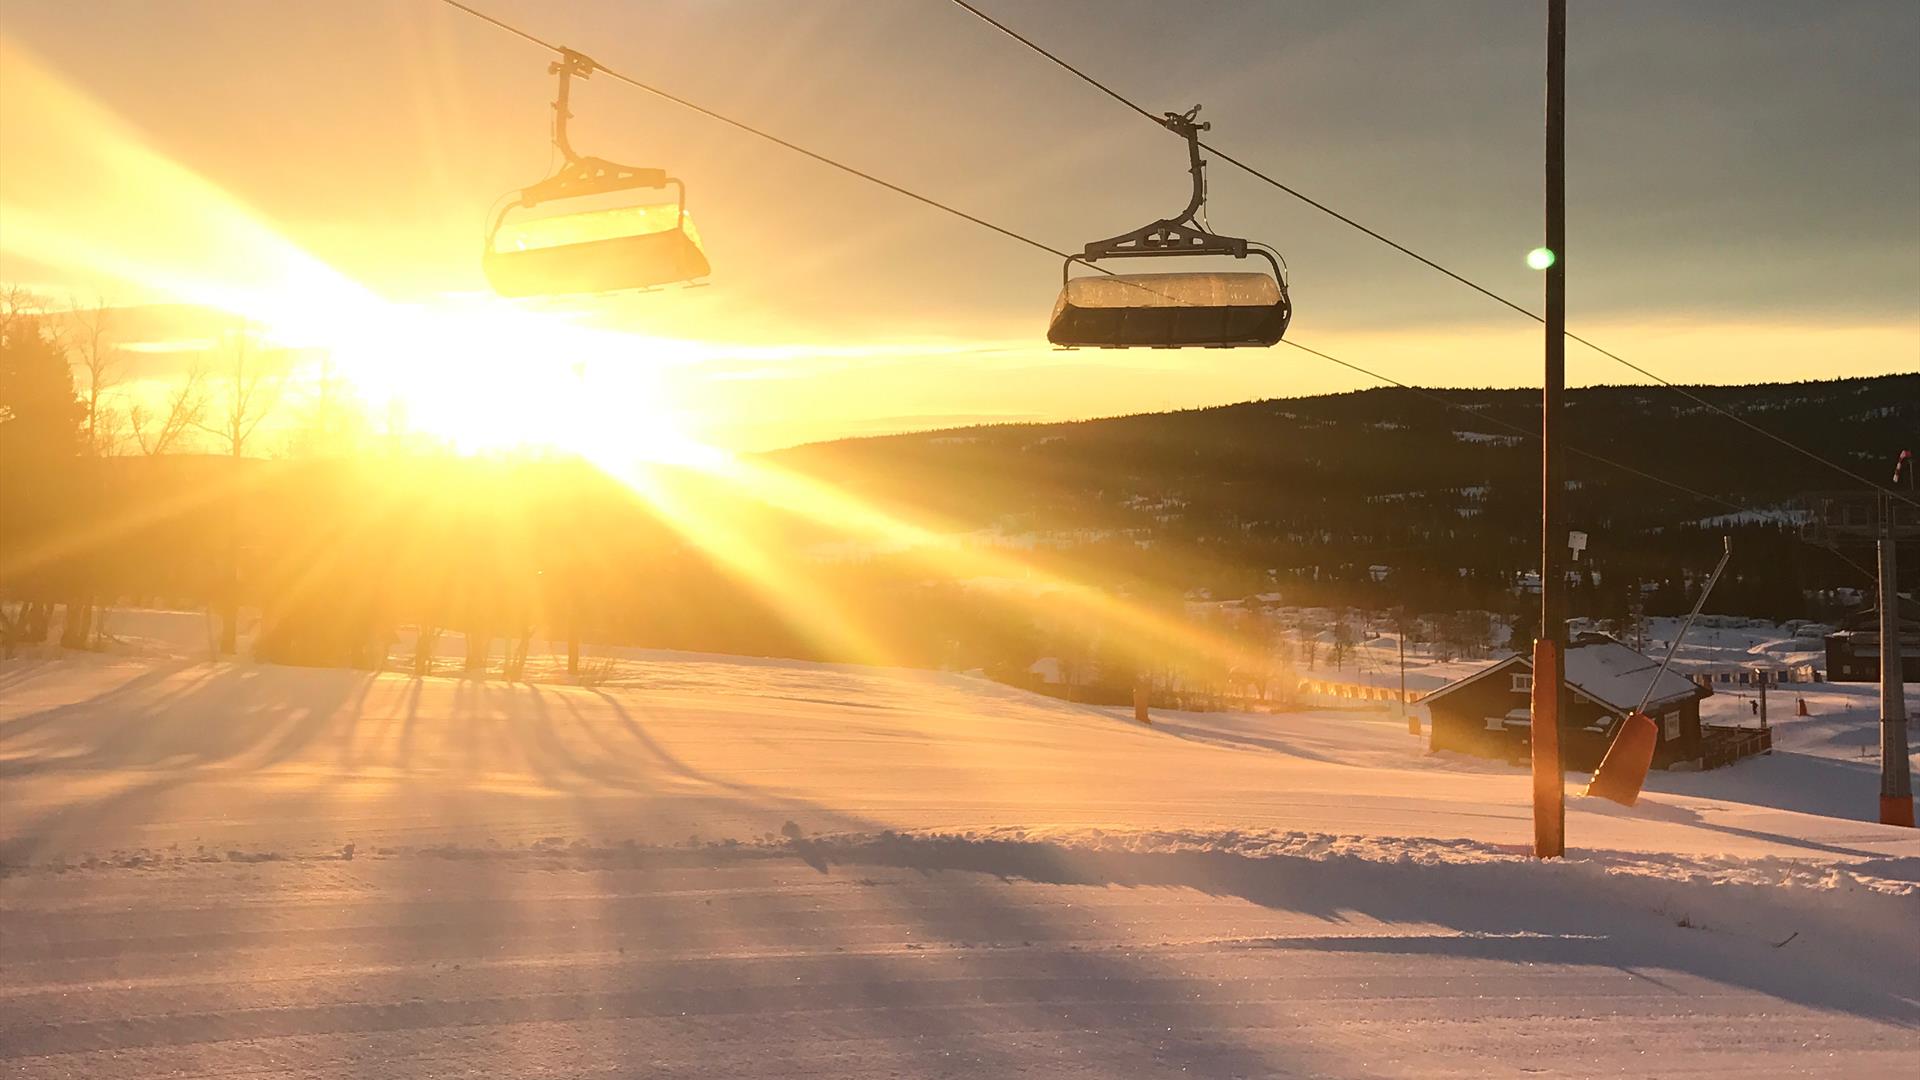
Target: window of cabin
[(1673, 726), (1523, 684)]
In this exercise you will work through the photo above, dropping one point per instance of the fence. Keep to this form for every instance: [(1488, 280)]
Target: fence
[(1722, 745)]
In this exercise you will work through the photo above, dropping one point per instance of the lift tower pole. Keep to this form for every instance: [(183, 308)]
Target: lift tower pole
[(1550, 649), (1896, 786), (1842, 519)]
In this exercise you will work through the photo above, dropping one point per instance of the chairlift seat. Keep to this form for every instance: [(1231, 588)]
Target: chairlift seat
[(637, 247), (594, 251), (1218, 310), (1170, 311)]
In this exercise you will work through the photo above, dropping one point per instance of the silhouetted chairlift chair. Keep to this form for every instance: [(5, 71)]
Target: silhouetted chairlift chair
[(592, 251), (1170, 311)]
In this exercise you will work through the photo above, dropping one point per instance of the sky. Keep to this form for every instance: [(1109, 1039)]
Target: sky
[(1743, 192)]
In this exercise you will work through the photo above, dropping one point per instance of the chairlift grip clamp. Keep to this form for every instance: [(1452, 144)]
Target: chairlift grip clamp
[(1185, 124), (570, 64), (1188, 126)]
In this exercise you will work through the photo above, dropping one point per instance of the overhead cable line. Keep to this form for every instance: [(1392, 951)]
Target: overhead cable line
[(1223, 155), (1529, 433), (768, 136), (1038, 245)]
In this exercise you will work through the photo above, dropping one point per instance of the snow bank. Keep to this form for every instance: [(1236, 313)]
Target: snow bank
[(1476, 888)]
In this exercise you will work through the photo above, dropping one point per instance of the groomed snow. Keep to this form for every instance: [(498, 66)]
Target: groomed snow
[(713, 866)]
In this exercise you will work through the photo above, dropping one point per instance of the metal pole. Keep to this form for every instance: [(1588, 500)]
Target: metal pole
[(1549, 651), (1413, 722), (1726, 553), (1896, 786)]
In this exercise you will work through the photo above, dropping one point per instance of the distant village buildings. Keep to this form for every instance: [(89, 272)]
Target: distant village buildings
[(1751, 675)]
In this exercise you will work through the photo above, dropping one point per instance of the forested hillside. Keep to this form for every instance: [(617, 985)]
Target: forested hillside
[(1373, 500), (1386, 494)]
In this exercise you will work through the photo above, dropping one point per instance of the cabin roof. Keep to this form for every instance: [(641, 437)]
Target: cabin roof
[(1611, 672), (1604, 671), (1515, 662)]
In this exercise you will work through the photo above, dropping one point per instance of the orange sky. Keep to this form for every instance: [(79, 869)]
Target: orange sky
[(325, 170)]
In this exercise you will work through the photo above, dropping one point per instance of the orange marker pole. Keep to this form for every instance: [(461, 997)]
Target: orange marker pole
[(1549, 797)]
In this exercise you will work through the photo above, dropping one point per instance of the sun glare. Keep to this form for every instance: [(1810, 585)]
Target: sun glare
[(485, 376), (469, 370), (472, 371)]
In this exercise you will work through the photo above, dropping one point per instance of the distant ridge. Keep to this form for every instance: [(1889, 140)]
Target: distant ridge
[(1334, 485)]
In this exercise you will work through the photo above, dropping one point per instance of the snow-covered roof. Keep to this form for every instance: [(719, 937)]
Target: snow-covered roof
[(1604, 670), (1515, 661), (1608, 671)]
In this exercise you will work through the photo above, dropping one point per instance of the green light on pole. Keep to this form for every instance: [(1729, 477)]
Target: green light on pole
[(1540, 258)]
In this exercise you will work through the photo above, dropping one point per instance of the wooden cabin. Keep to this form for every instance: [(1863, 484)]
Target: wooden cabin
[(1489, 714)]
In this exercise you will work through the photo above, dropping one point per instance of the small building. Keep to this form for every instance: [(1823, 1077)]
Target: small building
[(1490, 713), (1755, 674), (1853, 650)]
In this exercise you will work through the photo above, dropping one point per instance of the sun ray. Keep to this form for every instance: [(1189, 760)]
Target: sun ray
[(1139, 631), (471, 370), (775, 577)]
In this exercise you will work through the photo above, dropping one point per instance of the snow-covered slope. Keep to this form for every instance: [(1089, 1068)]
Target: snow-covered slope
[(715, 866)]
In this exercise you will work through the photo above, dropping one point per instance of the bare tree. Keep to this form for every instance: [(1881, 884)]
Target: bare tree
[(159, 430), (248, 390), (329, 419), (100, 363), (1342, 645), (18, 305), (103, 364)]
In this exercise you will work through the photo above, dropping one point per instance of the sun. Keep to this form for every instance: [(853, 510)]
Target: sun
[(481, 375), (471, 370)]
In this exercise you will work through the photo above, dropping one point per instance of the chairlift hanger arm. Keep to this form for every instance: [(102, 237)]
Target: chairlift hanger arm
[(570, 64), (1181, 234), (580, 174), (1187, 127)]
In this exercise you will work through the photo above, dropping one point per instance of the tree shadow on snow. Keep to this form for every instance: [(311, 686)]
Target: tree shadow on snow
[(1513, 909)]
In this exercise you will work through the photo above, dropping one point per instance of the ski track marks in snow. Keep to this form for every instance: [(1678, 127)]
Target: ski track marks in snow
[(236, 870), (1002, 952)]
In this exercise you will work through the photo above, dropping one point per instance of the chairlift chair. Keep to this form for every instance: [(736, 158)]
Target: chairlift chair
[(591, 251), (1170, 311)]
